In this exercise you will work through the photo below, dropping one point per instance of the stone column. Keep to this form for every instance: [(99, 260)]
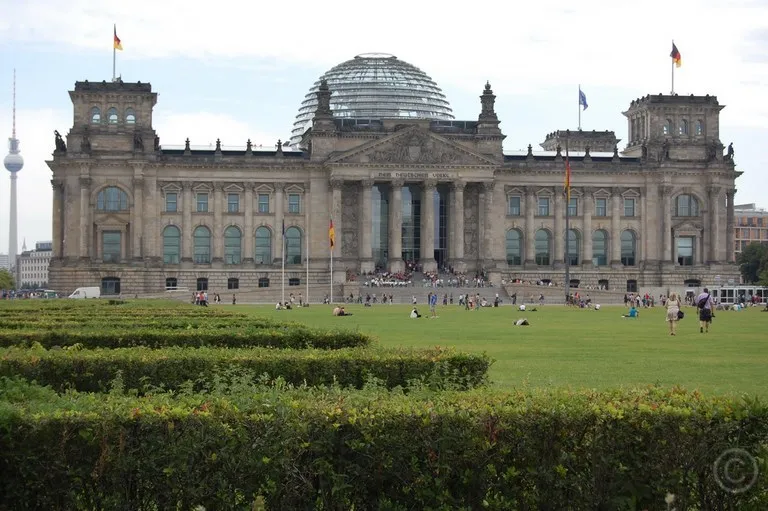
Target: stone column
[(58, 221), (558, 257), (457, 221), (666, 229), (150, 225), (729, 226), (85, 192), (365, 228), (336, 213), (651, 222), (137, 213), (615, 228), (278, 242), (217, 238), (488, 242), (714, 224), (427, 241), (587, 207), (187, 207), (529, 238), (395, 259), (307, 245), (248, 237)]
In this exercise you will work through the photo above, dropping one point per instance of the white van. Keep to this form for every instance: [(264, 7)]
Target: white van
[(86, 292)]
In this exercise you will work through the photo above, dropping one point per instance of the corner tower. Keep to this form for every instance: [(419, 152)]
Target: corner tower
[(683, 128)]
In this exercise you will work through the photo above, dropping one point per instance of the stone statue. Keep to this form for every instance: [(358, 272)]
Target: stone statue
[(559, 149), (85, 143), (218, 145), (248, 146), (615, 151), (186, 145), (138, 142), (644, 149), (530, 150), (157, 143), (586, 152), (665, 150), (712, 151), (60, 144), (730, 151)]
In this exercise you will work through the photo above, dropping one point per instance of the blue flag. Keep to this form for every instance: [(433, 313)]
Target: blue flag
[(583, 99)]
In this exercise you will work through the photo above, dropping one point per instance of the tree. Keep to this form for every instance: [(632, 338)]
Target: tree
[(753, 261), (6, 279)]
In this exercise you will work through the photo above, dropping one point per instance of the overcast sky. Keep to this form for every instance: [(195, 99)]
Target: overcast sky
[(236, 70)]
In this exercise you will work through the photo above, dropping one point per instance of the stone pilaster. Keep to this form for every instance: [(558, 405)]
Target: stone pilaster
[(558, 229), (248, 237), (85, 193), (530, 205), (395, 258), (488, 221), (188, 206), (58, 219), (152, 219), (366, 227), (137, 212), (666, 232), (336, 205), (587, 207), (278, 240), (651, 223), (616, 228), (457, 221), (714, 224), (428, 226), (217, 237), (730, 254)]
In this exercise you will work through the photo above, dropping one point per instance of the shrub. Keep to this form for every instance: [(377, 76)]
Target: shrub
[(372, 449)]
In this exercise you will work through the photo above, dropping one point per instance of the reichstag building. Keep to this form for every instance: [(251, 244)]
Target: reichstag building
[(375, 146)]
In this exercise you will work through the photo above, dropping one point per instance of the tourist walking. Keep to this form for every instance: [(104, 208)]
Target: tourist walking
[(673, 312), (706, 306)]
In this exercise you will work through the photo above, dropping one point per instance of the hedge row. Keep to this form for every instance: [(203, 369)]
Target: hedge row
[(374, 449), (130, 322), (144, 368), (290, 337)]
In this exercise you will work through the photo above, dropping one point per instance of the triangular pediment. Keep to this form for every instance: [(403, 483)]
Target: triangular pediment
[(233, 188), (602, 193), (687, 227), (171, 187), (412, 146), (112, 219), (630, 193)]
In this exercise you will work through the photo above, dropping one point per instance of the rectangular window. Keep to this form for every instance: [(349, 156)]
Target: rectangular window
[(233, 203), (233, 283), (294, 203), (202, 203), (543, 206), (601, 207), (629, 207), (263, 203), (513, 206), (685, 251), (171, 201), (111, 246), (263, 282), (573, 207)]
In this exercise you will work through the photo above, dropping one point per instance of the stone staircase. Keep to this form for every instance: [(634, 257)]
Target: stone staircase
[(530, 293)]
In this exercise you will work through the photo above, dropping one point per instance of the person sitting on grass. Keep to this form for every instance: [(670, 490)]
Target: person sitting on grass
[(339, 311), (415, 313), (633, 313)]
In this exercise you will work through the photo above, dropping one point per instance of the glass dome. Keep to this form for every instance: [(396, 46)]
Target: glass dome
[(375, 86)]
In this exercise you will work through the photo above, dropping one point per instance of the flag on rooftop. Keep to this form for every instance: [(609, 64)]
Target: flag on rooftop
[(676, 57)]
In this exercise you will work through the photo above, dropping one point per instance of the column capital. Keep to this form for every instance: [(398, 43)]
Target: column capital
[(367, 183), (730, 192), (279, 186), (714, 191), (587, 191), (398, 183), (57, 185), (459, 185), (430, 183), (615, 191), (337, 183), (665, 190), (488, 186), (530, 191), (187, 185), (138, 182), (85, 181)]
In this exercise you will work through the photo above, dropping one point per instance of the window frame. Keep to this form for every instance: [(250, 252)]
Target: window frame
[(175, 202), (633, 202), (543, 203), (259, 203), (199, 203), (604, 207), (294, 208), (231, 203), (511, 209)]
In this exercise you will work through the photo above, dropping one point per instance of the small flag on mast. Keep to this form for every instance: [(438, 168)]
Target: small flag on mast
[(676, 57), (117, 44), (582, 99), (332, 234)]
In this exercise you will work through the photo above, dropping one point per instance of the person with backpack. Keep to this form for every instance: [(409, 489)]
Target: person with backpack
[(706, 306)]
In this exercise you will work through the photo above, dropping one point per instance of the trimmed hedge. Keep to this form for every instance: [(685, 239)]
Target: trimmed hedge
[(374, 449), (141, 368), (295, 337)]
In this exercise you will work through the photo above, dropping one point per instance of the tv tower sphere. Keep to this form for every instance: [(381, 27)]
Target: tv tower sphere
[(13, 162)]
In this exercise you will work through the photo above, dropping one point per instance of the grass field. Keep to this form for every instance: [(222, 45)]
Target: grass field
[(575, 347)]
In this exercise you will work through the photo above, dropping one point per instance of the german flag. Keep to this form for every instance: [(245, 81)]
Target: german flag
[(332, 234), (117, 44), (676, 58)]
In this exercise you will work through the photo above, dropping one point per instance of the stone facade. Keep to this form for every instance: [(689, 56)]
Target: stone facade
[(136, 218)]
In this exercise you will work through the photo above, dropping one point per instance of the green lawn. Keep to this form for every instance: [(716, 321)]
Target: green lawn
[(575, 347)]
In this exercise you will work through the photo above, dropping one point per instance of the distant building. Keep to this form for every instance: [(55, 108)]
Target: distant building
[(5, 261), (751, 225), (32, 265)]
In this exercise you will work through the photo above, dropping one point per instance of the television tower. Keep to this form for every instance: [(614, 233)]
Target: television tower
[(13, 164)]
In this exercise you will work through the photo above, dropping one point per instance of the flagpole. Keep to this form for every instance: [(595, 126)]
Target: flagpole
[(282, 256), (567, 225), (673, 71), (114, 52), (306, 299), (579, 105), (331, 275)]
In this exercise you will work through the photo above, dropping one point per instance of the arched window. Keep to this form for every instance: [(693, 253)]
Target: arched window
[(171, 245), (699, 127), (130, 116), (667, 128), (574, 247), (293, 245), (232, 245), (514, 247), (95, 115), (628, 248), (112, 115), (202, 237), (112, 198), (599, 248), (683, 127), (686, 205), (542, 245), (263, 253)]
